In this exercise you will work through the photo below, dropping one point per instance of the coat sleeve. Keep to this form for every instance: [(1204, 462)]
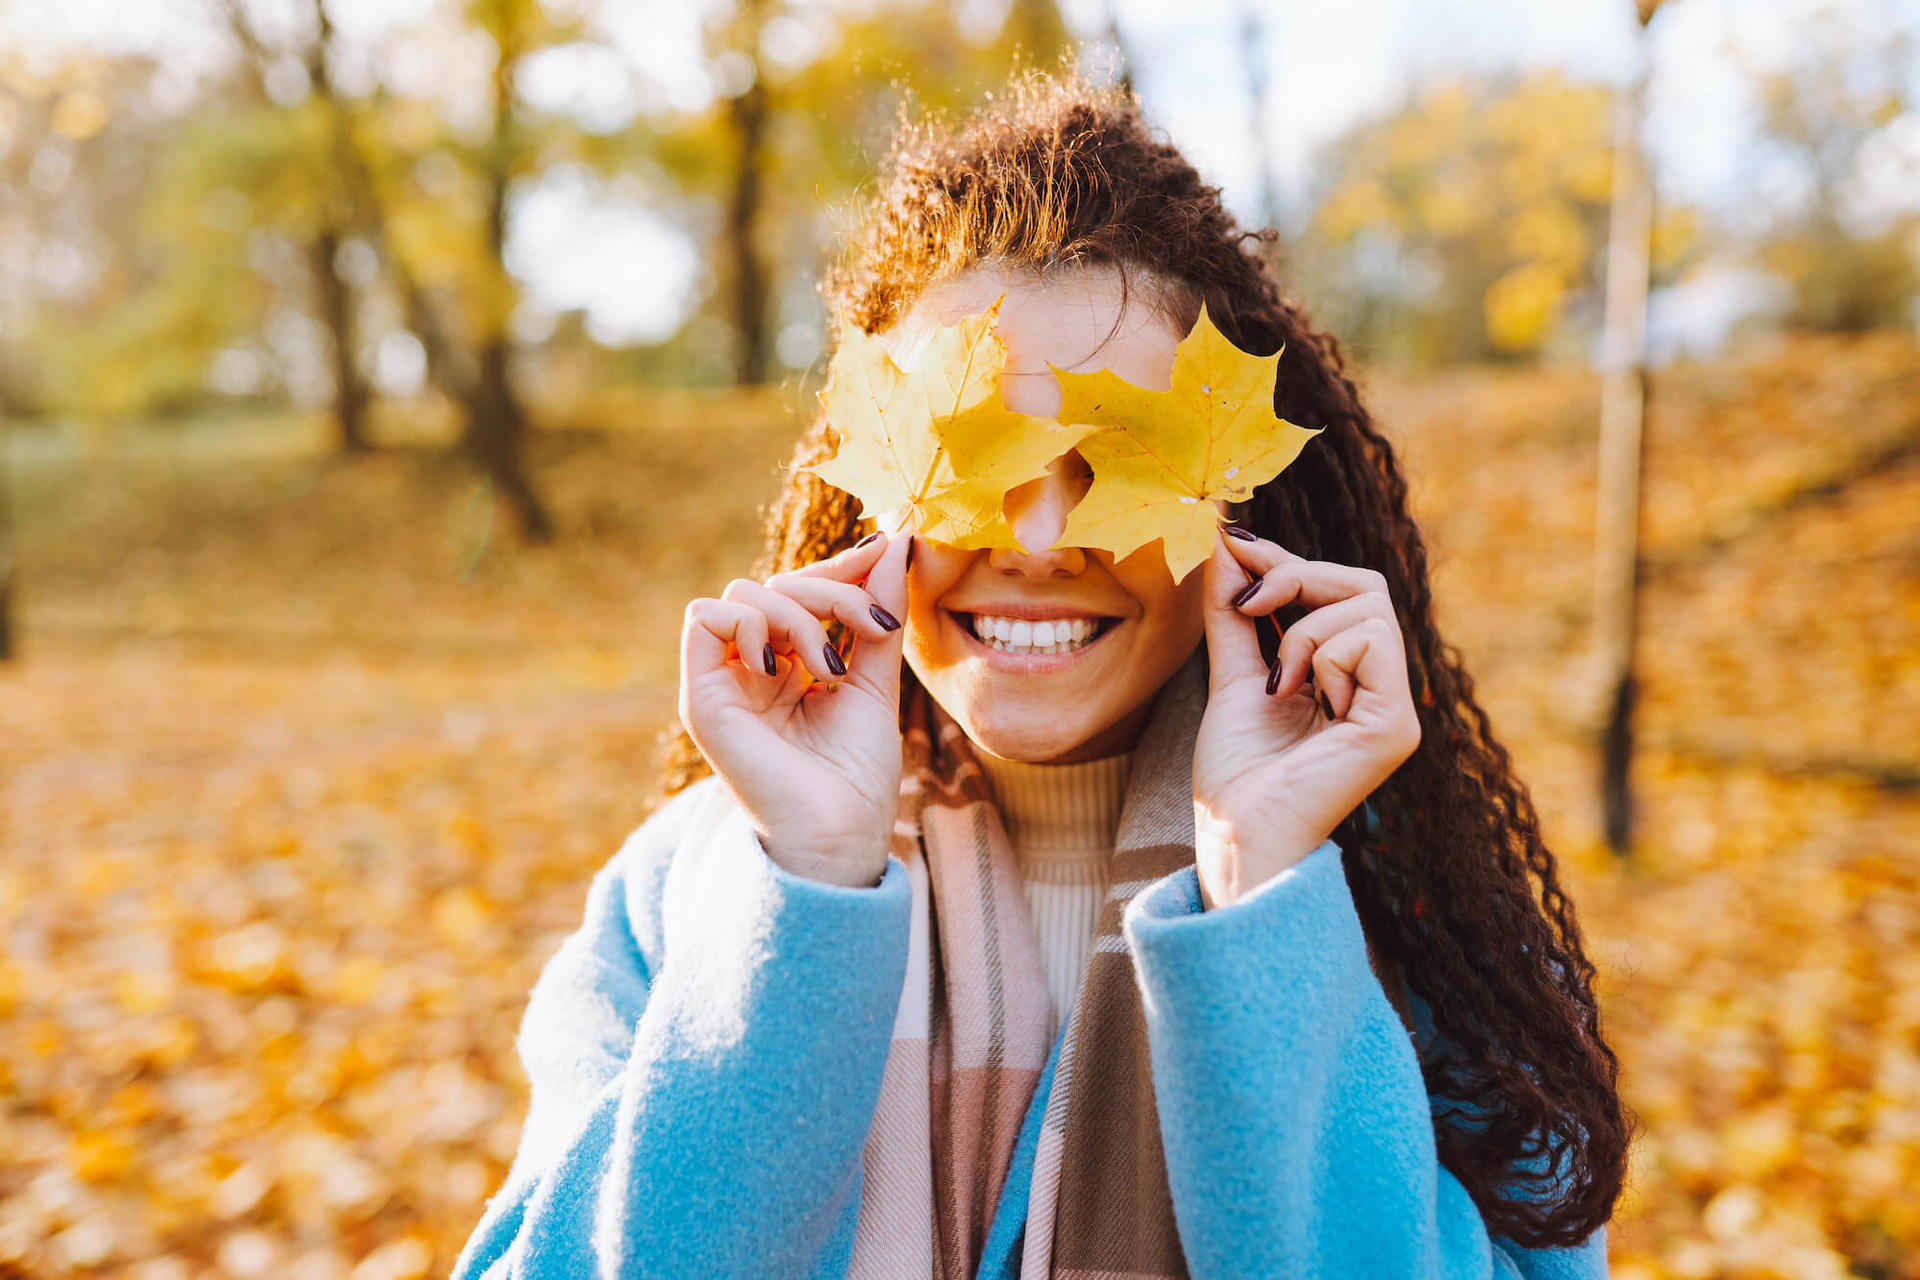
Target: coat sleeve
[(704, 1056), (1298, 1131)]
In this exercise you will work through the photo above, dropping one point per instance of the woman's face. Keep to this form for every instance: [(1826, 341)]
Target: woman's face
[(1119, 628)]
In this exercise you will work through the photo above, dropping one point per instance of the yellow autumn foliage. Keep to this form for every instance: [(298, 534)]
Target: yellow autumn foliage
[(935, 442), (1164, 458)]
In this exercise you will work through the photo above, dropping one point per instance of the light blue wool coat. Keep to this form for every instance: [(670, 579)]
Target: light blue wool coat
[(705, 1055)]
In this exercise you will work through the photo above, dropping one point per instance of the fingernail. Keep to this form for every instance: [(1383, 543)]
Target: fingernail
[(864, 541), (910, 544), (1273, 676), (1235, 531), (884, 618), (835, 663), (766, 659), (1245, 593)]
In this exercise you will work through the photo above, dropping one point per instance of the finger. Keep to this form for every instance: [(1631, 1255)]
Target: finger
[(1289, 579), (1233, 643), (719, 630), (1305, 637), (793, 628), (851, 604), (887, 580), (875, 661), (1364, 669), (850, 564)]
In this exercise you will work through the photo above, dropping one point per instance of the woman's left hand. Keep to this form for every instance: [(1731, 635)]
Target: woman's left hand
[(1280, 762)]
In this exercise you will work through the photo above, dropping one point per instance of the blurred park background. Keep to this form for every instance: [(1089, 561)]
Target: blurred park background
[(381, 377)]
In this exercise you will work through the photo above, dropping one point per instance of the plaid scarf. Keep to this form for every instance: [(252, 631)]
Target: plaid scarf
[(970, 1041)]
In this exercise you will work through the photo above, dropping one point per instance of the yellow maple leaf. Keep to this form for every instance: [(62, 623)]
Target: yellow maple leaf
[(935, 439), (1164, 457)]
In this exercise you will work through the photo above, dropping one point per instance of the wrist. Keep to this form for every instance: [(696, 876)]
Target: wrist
[(1232, 859), (811, 861)]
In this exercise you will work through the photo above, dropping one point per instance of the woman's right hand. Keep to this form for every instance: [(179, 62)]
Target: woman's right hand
[(812, 753)]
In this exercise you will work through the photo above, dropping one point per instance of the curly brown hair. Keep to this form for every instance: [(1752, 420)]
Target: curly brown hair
[(1446, 862)]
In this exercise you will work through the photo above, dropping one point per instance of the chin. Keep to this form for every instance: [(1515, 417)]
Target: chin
[(1033, 734)]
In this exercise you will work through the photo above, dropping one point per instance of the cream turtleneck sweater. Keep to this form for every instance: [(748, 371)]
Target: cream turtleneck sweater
[(1061, 820)]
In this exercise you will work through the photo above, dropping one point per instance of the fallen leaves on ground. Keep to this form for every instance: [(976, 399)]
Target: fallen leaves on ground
[(304, 775)]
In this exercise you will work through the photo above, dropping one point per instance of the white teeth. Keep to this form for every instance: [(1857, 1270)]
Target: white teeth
[(1018, 635)]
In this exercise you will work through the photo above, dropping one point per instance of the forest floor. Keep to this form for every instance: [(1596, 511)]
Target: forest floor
[(305, 765)]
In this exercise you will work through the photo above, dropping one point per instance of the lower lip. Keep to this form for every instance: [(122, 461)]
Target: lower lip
[(1027, 664)]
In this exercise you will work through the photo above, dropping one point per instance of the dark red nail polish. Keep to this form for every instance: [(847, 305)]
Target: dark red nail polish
[(1245, 593), (1273, 676), (910, 544), (835, 663), (766, 660), (1235, 531), (884, 618), (864, 541)]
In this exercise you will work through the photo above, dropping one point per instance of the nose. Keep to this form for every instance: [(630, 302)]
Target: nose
[(1037, 510)]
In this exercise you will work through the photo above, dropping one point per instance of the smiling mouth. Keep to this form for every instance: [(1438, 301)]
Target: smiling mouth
[(1021, 636)]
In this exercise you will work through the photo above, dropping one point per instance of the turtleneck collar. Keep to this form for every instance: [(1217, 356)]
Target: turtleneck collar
[(1058, 812)]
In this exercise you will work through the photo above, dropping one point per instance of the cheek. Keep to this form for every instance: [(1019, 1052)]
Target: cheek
[(1166, 608), (1178, 617)]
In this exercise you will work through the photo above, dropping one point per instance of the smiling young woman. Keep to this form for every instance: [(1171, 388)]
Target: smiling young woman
[(1136, 624), (1025, 911)]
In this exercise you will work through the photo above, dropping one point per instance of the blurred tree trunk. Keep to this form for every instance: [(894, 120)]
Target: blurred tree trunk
[(496, 430), (338, 301), (1623, 400), (747, 114), (337, 305), (496, 421), (477, 377), (9, 555)]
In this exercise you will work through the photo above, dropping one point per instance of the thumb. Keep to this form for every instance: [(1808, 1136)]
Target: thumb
[(1233, 644)]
